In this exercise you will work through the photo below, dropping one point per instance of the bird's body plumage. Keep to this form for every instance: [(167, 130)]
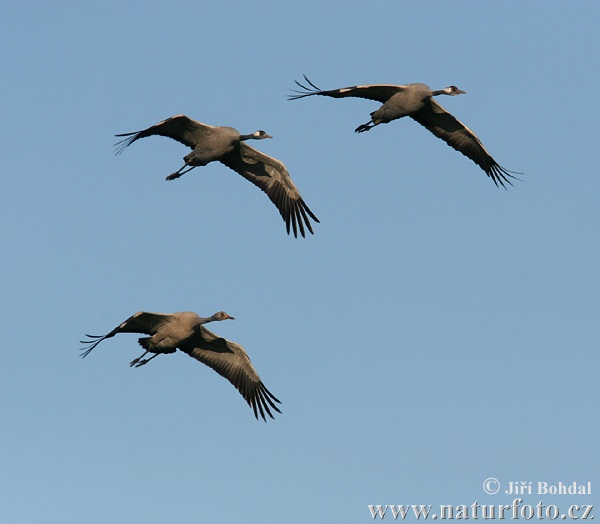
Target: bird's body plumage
[(416, 101), (185, 331), (226, 145)]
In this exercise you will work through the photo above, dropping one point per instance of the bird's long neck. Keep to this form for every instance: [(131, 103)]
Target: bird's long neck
[(247, 137), (439, 92), (212, 318)]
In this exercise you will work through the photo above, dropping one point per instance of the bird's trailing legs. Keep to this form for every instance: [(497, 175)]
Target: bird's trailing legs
[(180, 172), (364, 127), (140, 361)]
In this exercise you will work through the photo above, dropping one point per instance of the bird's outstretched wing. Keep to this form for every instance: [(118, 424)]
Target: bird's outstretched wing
[(180, 127), (458, 136), (230, 360), (270, 175), (141, 322), (379, 92)]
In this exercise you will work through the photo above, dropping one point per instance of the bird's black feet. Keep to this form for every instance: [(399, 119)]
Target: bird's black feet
[(136, 362), (182, 171), (364, 127)]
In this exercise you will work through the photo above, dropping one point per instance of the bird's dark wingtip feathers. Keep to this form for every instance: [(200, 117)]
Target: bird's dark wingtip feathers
[(306, 91), (294, 225), (501, 176), (311, 84), (287, 224), (299, 220), (264, 404), (312, 215), (93, 341), (122, 144), (253, 404), (270, 397), (303, 212), (90, 344), (262, 400), (295, 216)]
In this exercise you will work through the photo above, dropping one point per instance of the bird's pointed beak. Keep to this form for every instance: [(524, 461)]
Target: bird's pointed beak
[(461, 92), (268, 136), (229, 317)]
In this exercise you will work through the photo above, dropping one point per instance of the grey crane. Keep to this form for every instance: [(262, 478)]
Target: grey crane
[(226, 144), (416, 101), (186, 331)]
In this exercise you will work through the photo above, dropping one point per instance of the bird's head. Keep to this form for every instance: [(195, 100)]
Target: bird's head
[(453, 91), (260, 135), (221, 315)]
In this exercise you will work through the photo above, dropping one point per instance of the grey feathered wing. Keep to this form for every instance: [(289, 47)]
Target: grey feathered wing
[(180, 127), (140, 322), (378, 92), (458, 136), (271, 175), (230, 361)]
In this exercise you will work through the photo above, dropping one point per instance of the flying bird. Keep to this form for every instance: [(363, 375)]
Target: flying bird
[(186, 331), (416, 101), (227, 145)]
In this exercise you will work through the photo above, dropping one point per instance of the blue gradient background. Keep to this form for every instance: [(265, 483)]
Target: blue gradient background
[(435, 331)]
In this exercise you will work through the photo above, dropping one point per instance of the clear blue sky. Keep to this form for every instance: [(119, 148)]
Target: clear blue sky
[(435, 331)]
